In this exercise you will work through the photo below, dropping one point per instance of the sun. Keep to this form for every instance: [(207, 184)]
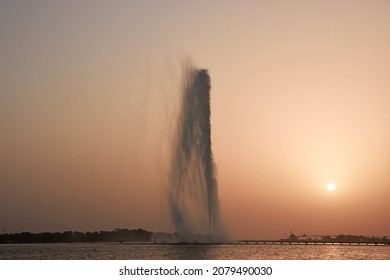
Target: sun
[(330, 187)]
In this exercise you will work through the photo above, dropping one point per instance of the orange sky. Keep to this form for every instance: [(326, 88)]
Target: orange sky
[(300, 98)]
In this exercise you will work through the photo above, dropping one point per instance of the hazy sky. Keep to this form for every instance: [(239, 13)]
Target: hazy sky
[(300, 98)]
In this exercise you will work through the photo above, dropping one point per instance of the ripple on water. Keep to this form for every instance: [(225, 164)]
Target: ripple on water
[(107, 251)]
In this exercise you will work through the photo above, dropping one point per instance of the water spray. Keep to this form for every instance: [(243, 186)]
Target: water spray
[(193, 196)]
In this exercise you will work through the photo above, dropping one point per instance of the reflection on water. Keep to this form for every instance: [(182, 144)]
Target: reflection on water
[(107, 251)]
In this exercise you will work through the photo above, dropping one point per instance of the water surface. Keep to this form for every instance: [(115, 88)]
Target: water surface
[(126, 251)]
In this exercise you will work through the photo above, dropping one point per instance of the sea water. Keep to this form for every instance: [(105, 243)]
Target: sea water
[(132, 251)]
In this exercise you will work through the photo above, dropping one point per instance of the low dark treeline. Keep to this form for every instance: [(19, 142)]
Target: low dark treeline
[(118, 235)]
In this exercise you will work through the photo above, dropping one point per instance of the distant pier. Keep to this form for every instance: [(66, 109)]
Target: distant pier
[(273, 242), (311, 242)]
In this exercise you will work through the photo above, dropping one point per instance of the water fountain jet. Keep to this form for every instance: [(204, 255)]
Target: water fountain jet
[(193, 192)]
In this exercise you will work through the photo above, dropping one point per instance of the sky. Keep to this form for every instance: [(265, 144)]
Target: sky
[(300, 98)]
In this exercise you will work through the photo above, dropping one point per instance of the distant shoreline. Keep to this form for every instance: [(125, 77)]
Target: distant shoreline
[(141, 236)]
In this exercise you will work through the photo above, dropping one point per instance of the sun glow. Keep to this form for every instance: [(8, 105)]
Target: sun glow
[(330, 187)]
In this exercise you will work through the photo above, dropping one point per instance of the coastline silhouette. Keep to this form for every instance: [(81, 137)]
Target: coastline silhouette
[(143, 236)]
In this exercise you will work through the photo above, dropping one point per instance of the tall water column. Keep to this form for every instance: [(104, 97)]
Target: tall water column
[(193, 191)]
